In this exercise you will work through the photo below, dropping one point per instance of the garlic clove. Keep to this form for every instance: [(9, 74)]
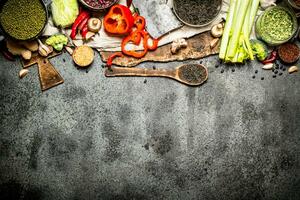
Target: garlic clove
[(293, 69), (268, 66), (23, 73)]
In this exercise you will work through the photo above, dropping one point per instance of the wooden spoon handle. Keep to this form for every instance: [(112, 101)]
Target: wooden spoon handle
[(124, 71)]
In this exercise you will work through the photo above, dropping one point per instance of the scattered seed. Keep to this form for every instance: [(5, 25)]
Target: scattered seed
[(222, 71), (64, 60), (274, 76), (233, 70), (256, 71), (253, 77), (277, 67), (283, 69), (87, 71), (262, 78), (201, 61), (217, 66), (145, 81), (154, 67), (280, 74), (275, 72)]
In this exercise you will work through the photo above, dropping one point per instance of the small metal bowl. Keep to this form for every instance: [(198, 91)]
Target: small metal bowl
[(198, 25), (98, 9), (292, 3)]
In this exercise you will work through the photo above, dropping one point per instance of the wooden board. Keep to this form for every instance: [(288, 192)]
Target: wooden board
[(198, 47)]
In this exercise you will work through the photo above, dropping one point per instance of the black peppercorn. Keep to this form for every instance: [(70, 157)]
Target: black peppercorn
[(262, 78), (256, 71), (274, 76), (275, 72), (253, 77), (233, 70), (222, 71), (280, 74)]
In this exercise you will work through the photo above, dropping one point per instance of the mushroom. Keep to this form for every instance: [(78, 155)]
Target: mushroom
[(178, 44), (94, 25), (217, 30)]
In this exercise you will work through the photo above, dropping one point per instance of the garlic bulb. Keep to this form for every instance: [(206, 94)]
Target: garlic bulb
[(267, 3), (44, 50)]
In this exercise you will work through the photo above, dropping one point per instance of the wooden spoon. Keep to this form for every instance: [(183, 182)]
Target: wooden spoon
[(189, 74)]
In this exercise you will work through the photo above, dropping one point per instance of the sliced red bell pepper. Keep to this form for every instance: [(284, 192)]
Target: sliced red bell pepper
[(112, 57), (81, 17), (135, 38), (154, 45), (119, 20), (139, 22)]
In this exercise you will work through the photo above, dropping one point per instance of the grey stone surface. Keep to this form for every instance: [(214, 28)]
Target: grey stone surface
[(134, 138)]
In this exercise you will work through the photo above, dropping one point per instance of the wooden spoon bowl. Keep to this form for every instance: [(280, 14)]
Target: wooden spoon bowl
[(189, 74)]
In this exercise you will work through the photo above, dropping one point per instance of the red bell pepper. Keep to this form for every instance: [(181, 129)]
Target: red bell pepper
[(81, 17), (119, 20), (112, 57), (135, 37), (139, 22)]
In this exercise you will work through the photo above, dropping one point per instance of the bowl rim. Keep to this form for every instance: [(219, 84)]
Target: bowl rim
[(200, 25), (98, 9)]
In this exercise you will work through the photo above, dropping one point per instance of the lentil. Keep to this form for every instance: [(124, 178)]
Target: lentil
[(23, 19)]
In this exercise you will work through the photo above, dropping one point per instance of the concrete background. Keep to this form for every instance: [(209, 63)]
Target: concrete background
[(93, 137)]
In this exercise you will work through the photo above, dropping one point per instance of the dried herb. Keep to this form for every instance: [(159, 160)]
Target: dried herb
[(23, 19), (192, 73), (197, 12)]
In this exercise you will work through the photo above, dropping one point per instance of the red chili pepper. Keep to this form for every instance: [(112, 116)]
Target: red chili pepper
[(6, 54), (81, 17), (84, 31), (271, 58), (129, 2), (135, 38), (112, 57), (119, 20), (83, 23)]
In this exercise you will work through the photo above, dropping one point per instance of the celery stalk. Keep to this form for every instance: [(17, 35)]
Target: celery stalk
[(253, 12), (237, 27), (246, 33), (227, 29)]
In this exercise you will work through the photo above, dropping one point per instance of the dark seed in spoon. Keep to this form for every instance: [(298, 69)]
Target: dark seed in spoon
[(222, 71), (253, 77), (256, 71), (192, 73)]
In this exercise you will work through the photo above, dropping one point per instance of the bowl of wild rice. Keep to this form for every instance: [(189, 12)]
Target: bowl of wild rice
[(98, 5), (197, 13)]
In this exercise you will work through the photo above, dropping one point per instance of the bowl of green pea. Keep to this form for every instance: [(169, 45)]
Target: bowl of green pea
[(23, 19)]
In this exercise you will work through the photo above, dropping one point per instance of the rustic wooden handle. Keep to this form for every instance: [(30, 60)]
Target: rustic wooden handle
[(124, 71)]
